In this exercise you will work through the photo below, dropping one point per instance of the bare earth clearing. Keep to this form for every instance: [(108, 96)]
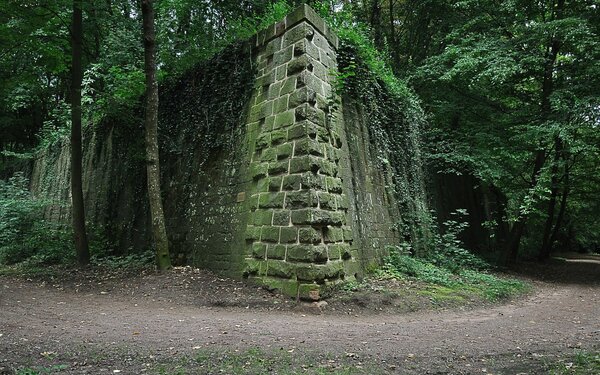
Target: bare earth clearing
[(155, 323)]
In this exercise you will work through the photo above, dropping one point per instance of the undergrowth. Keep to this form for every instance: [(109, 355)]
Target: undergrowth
[(581, 363), (403, 266)]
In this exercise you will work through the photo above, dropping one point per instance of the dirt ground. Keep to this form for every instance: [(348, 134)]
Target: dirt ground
[(133, 324)]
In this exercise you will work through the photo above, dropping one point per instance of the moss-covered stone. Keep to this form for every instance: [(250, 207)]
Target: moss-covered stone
[(276, 251), (259, 250), (269, 234), (306, 253), (271, 200), (281, 217), (288, 235), (309, 235), (301, 199), (333, 234)]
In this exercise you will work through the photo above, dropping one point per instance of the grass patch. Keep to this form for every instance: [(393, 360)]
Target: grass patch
[(447, 284), (582, 363)]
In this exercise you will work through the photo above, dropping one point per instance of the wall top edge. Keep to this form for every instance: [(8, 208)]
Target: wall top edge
[(301, 13)]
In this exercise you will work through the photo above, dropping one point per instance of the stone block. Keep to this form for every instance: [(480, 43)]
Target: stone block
[(273, 46), (280, 268), (268, 154), (309, 292), (263, 141), (316, 217), (278, 167), (271, 200), (280, 72), (275, 183), (299, 64), (334, 184), (283, 119), (283, 56), (286, 286), (262, 217), (313, 114), (309, 235), (307, 146), (288, 235), (301, 199), (269, 234), (334, 251), (308, 79), (327, 201), (268, 122), (281, 104), (281, 218), (301, 31), (313, 181), (306, 47), (262, 185), (259, 250), (291, 182), (276, 251), (278, 136), (284, 151), (288, 86), (305, 164), (266, 79), (318, 273), (303, 129), (252, 267), (333, 234), (252, 233), (301, 96), (259, 170), (274, 90), (306, 253)]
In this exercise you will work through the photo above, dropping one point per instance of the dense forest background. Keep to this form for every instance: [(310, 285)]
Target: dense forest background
[(509, 91)]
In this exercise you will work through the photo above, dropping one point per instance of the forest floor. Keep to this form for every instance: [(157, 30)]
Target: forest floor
[(192, 322)]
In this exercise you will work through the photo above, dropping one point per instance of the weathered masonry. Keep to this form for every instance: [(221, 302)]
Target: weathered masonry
[(295, 199)]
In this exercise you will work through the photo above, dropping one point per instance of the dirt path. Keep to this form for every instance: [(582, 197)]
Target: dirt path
[(94, 331)]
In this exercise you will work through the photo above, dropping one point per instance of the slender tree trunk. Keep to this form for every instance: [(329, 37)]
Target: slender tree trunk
[(554, 181), (78, 214), (376, 24), (563, 207), (393, 38), (163, 260)]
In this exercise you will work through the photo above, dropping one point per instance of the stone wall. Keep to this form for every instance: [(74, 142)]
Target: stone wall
[(291, 195), (298, 234)]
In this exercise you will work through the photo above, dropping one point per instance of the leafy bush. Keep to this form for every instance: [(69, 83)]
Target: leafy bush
[(24, 234), (448, 249)]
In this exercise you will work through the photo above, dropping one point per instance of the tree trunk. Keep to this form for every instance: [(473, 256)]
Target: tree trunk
[(546, 243), (376, 24), (78, 213), (163, 260), (563, 207)]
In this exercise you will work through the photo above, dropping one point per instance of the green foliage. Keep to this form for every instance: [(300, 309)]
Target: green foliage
[(398, 265), (24, 233), (581, 363), (448, 249), (131, 261)]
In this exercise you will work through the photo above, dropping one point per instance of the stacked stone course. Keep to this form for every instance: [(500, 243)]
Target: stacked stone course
[(297, 235)]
